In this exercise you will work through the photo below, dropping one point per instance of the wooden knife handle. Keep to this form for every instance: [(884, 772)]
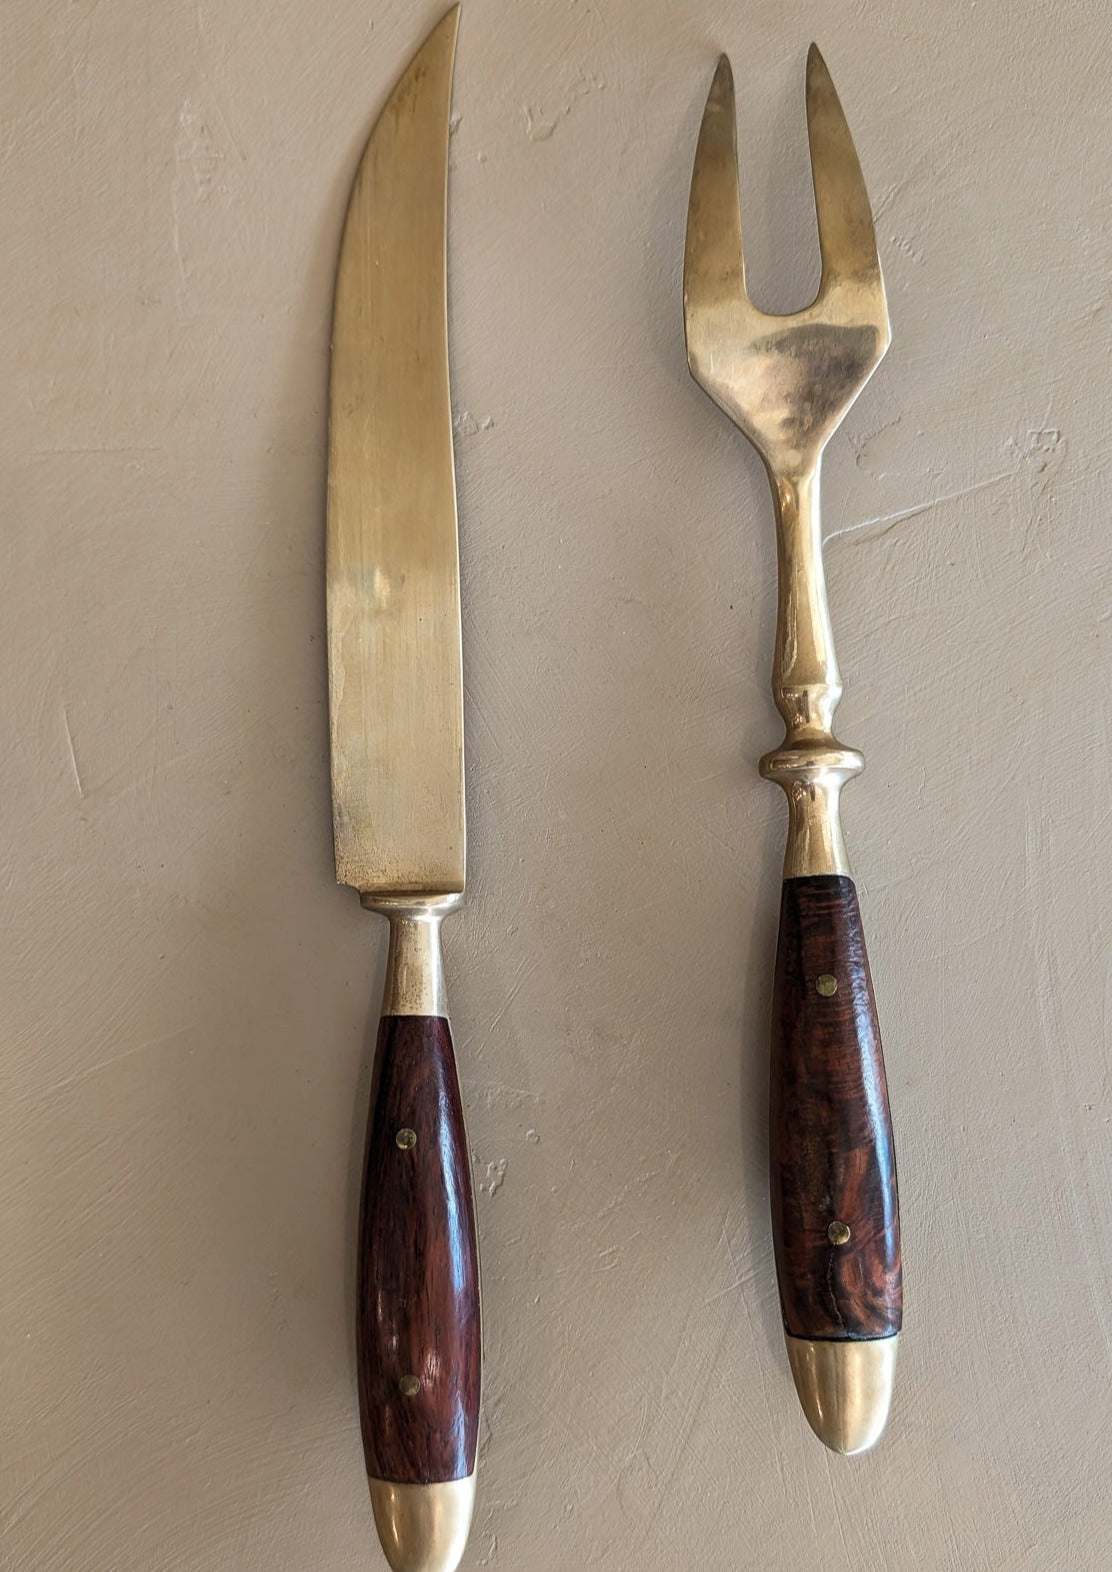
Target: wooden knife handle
[(835, 1215), (417, 1330)]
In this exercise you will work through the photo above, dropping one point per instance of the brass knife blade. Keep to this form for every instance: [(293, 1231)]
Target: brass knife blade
[(394, 646)]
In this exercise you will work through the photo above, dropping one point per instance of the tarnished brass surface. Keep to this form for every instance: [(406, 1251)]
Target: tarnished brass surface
[(423, 1528), (787, 381), (394, 648), (414, 965), (845, 1388)]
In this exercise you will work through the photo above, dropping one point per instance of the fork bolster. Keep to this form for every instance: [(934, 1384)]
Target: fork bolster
[(812, 774), (835, 1215)]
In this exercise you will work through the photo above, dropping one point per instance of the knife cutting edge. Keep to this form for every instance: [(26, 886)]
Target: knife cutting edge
[(396, 722)]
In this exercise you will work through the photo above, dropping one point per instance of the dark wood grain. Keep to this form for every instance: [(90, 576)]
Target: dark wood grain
[(418, 1275), (831, 1138)]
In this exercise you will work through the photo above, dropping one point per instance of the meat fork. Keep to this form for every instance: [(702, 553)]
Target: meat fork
[(787, 382)]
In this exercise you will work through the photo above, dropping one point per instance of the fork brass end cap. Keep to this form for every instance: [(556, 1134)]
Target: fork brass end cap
[(423, 1528), (845, 1388)]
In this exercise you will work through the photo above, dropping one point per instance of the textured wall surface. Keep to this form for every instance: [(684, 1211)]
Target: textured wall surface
[(188, 1000)]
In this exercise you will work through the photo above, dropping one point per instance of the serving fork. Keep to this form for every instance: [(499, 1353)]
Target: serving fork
[(787, 382)]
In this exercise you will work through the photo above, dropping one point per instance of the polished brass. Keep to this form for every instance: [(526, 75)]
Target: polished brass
[(409, 1385), (394, 648), (826, 985), (839, 1233), (406, 1139), (423, 1528), (845, 1388), (787, 381)]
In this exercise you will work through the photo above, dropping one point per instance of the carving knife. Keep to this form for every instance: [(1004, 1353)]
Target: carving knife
[(396, 720)]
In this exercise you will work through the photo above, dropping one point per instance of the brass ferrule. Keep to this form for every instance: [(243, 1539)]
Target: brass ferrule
[(414, 965), (813, 782), (423, 1528), (845, 1388)]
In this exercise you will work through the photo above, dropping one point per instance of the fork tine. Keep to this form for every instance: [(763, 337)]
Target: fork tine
[(713, 265), (847, 239)]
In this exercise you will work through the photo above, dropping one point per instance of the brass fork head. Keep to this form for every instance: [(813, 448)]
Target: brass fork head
[(786, 381)]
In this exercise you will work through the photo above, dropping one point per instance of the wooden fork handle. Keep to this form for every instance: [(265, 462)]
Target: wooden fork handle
[(835, 1214)]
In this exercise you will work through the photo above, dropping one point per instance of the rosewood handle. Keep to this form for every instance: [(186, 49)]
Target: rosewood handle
[(417, 1329), (835, 1214)]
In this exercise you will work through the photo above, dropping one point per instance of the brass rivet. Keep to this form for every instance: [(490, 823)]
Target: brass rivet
[(827, 985), (406, 1139), (838, 1233), (410, 1386)]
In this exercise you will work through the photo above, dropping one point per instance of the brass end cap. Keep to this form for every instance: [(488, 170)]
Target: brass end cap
[(423, 1528), (845, 1389)]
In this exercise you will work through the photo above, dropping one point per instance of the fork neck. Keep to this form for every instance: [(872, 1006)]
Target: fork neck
[(811, 765), (806, 682)]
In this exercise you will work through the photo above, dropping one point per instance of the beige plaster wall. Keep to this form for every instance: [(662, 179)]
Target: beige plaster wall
[(187, 998)]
